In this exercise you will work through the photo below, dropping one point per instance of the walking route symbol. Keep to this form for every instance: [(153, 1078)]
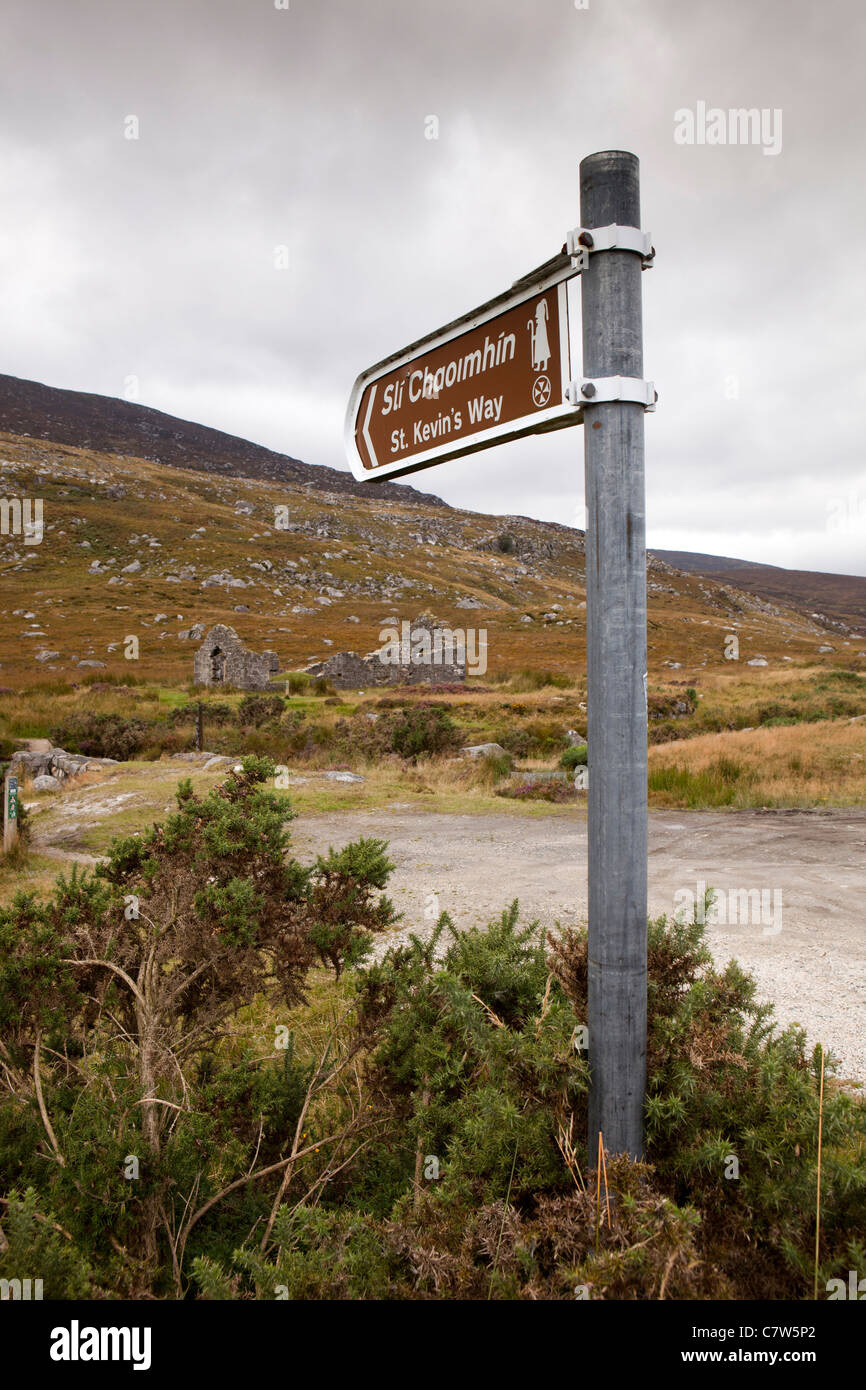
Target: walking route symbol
[(495, 374)]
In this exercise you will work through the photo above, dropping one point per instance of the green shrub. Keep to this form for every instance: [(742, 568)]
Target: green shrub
[(723, 1081), (476, 1181), (411, 732), (260, 709), (36, 1248), (493, 767), (103, 735), (573, 757), (117, 994), (430, 1142)]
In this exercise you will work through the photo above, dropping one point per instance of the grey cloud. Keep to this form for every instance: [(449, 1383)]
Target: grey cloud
[(260, 127)]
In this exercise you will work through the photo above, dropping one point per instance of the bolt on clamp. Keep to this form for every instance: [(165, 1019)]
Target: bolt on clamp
[(594, 391), (582, 240)]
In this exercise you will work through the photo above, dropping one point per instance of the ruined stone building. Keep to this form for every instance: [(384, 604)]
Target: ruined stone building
[(423, 652), (222, 659)]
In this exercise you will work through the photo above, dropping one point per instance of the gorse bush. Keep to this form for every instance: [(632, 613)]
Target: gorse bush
[(723, 1085), (574, 757), (115, 994), (478, 1183), (211, 1088)]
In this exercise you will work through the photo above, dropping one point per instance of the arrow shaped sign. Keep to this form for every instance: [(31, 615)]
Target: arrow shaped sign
[(495, 374)]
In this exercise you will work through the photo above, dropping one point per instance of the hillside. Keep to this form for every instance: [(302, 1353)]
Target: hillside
[(153, 525), (839, 599), (112, 426), (133, 547)]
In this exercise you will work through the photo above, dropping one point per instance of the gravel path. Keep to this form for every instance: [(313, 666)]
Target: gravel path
[(804, 939)]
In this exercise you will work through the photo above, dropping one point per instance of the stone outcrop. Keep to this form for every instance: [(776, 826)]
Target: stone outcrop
[(55, 765), (222, 659)]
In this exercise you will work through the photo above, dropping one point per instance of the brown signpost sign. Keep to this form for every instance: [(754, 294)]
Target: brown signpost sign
[(496, 374)]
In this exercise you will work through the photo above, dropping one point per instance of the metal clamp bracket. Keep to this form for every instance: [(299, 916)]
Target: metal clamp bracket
[(581, 240), (587, 391)]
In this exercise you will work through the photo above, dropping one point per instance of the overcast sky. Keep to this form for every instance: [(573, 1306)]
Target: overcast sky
[(148, 264)]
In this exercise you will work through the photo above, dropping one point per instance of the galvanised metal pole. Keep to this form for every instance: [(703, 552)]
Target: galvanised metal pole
[(616, 666)]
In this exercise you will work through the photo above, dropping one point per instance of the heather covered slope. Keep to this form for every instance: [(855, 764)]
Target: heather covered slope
[(835, 598), (153, 524), (135, 547)]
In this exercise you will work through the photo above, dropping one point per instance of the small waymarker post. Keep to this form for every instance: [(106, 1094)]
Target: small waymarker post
[(10, 813), (498, 373)]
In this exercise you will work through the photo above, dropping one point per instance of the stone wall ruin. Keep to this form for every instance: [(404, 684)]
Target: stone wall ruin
[(222, 659)]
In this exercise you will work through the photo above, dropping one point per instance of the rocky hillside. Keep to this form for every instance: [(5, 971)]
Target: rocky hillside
[(133, 548), (839, 599), (111, 426)]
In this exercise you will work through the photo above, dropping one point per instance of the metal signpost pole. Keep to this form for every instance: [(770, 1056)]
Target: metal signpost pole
[(616, 665)]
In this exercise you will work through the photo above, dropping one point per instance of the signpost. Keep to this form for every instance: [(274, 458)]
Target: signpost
[(10, 813), (501, 372)]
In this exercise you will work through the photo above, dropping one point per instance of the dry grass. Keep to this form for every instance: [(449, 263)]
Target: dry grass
[(793, 765)]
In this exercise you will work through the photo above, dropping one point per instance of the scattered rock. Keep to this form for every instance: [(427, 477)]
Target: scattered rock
[(100, 664), (132, 568), (47, 784), (344, 777), (483, 750), (225, 579)]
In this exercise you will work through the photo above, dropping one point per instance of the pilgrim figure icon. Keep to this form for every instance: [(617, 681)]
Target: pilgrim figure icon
[(538, 337)]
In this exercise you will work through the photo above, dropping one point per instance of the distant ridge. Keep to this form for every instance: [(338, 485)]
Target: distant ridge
[(112, 426), (841, 597)]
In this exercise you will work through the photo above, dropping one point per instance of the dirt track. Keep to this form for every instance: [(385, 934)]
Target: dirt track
[(806, 944)]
